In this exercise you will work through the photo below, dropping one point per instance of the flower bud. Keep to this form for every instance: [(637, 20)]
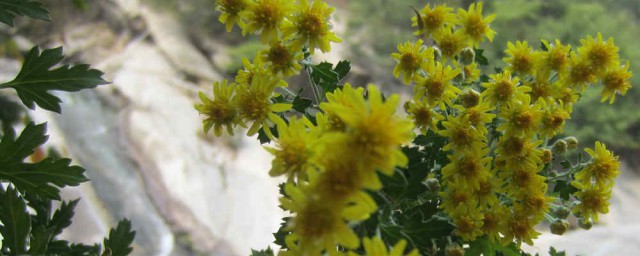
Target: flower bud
[(585, 224), (559, 147), (572, 142), (432, 184), (466, 56), (454, 250), (469, 98), (558, 227), (547, 156), (562, 212), (552, 174)]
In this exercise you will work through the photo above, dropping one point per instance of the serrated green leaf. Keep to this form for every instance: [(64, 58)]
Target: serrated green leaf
[(324, 72), (37, 78), (16, 222), (62, 217), (9, 9), (484, 246), (43, 178), (62, 247), (120, 239), (267, 252), (554, 252), (12, 151), (282, 232)]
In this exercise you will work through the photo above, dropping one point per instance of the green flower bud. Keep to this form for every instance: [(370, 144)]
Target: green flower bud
[(469, 98), (454, 250), (553, 174), (559, 147), (466, 56), (562, 212), (585, 224), (572, 142), (558, 227), (432, 184), (547, 156)]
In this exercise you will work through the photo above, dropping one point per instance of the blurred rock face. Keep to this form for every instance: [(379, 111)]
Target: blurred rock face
[(141, 140)]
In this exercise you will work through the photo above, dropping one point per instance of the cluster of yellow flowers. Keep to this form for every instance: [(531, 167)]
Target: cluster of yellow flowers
[(493, 184), (495, 181)]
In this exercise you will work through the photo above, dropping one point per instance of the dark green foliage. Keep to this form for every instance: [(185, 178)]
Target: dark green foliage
[(16, 224), (36, 183), (37, 178), (267, 252), (9, 9), (120, 239), (484, 246), (37, 78)]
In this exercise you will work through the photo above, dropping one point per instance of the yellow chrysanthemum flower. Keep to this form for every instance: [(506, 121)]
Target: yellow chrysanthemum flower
[(593, 199), (494, 222), (437, 88), (598, 54), (479, 116), (521, 57), (468, 226), (423, 115), (257, 68), (233, 11), (450, 42), (467, 169), (541, 87), (221, 111), (566, 95), (603, 167), (461, 135), (267, 17), (555, 58), (282, 60), (534, 203), (503, 88), (553, 118), (524, 151), (433, 20), (457, 200), (254, 104), (471, 72), (411, 57), (615, 81), (521, 117), (316, 227), (580, 73), (294, 148), (485, 194), (310, 26), (375, 132), (474, 25), (376, 247), (521, 228)]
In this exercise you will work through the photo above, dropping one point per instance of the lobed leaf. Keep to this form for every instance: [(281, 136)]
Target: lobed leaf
[(9, 9), (120, 239), (36, 78)]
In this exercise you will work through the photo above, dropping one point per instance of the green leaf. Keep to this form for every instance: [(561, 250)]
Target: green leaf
[(40, 178), (301, 104), (37, 78), (10, 8), (16, 222), (553, 252), (120, 239), (267, 252), (61, 218), (40, 238), (484, 246), (342, 69), (324, 72), (282, 233), (17, 150), (480, 58)]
